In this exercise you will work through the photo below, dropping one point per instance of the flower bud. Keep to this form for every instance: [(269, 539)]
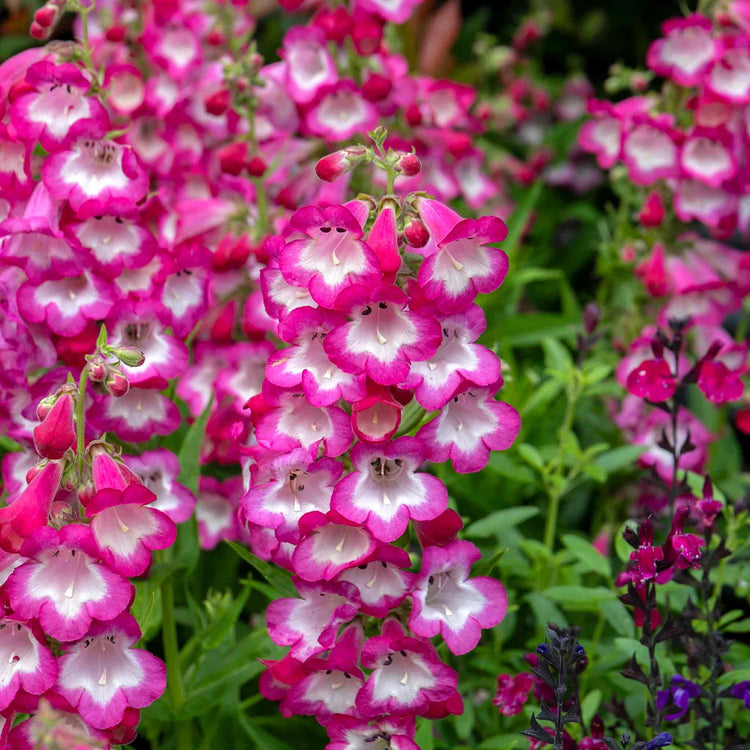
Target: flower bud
[(57, 431), (408, 164), (215, 38), (233, 158), (116, 383), (415, 232), (46, 16), (129, 355), (38, 32), (218, 102), (376, 87), (331, 167), (591, 317), (97, 367), (652, 212), (115, 33), (256, 167)]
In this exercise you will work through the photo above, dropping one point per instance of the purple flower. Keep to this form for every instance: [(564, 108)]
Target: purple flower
[(742, 691), (661, 740), (678, 695)]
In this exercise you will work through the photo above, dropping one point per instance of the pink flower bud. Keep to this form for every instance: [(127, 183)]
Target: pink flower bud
[(115, 33), (335, 24), (331, 167), (367, 34), (218, 102), (376, 87), (116, 383), (256, 167), (97, 367), (408, 164), (233, 158), (46, 16), (215, 38), (57, 431), (37, 31), (652, 212), (415, 233)]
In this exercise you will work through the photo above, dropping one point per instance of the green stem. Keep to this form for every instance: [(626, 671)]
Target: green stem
[(261, 199), (81, 420), (556, 490), (175, 689), (391, 181)]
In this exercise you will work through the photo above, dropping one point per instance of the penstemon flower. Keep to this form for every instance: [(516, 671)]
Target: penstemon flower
[(338, 474)]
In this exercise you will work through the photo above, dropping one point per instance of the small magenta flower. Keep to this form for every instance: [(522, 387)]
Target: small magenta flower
[(652, 379), (512, 692)]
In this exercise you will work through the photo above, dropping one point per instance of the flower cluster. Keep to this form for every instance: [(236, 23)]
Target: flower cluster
[(78, 524), (687, 145), (379, 349)]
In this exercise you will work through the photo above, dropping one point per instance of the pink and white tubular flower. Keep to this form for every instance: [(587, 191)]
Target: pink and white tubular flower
[(650, 151), (136, 416), (28, 664), (458, 264), (458, 360), (332, 256), (706, 155), (332, 684), (115, 243), (290, 421), (377, 415), (407, 674), (126, 530), (137, 325), (329, 544), (66, 305), (299, 486), (96, 177), (341, 112), (30, 509), (102, 675), (382, 337), (446, 601), (64, 585), (468, 427), (216, 510), (385, 491), (389, 733), (687, 50), (309, 67), (306, 363), (58, 110), (309, 624), (158, 470), (381, 579)]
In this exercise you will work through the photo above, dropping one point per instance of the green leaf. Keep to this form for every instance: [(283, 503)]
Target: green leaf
[(580, 598), (147, 608), (618, 616), (218, 630), (531, 455), (733, 677), (619, 458), (533, 328), (589, 705), (8, 445), (595, 472), (500, 520), (545, 611), (275, 576), (584, 552), (101, 339), (556, 356), (262, 739), (231, 673), (425, 738), (520, 218), (506, 466), (190, 451)]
